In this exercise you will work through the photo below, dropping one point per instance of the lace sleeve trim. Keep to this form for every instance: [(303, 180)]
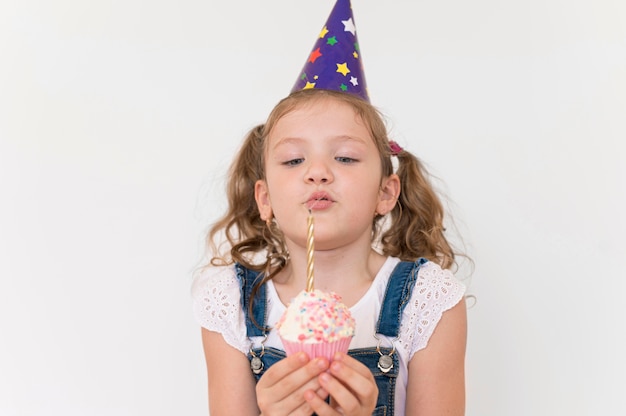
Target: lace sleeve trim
[(436, 290), (217, 305)]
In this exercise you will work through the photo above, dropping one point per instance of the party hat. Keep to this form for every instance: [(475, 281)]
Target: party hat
[(335, 60)]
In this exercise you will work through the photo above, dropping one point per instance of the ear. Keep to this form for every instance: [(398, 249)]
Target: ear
[(262, 197), (388, 195)]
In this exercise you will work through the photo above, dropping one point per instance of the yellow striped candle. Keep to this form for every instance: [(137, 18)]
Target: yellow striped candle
[(310, 248)]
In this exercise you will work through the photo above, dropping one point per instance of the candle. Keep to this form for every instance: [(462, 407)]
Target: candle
[(310, 248)]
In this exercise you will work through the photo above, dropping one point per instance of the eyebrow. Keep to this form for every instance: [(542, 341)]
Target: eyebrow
[(287, 140), (296, 140)]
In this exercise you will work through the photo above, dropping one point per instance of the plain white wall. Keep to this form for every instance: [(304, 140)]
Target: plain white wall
[(119, 118)]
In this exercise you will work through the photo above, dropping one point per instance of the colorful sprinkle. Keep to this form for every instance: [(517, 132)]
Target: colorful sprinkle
[(316, 316)]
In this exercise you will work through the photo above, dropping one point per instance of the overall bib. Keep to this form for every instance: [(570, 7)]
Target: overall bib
[(381, 361)]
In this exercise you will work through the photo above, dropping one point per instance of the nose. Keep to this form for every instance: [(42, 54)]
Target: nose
[(318, 172)]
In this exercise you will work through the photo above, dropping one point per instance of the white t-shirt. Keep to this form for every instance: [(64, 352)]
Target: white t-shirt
[(217, 307)]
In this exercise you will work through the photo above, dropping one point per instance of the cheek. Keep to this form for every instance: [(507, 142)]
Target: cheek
[(279, 178), (280, 193)]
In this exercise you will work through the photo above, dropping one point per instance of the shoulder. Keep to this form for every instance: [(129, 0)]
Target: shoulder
[(436, 290), (216, 297), (435, 286), (212, 280)]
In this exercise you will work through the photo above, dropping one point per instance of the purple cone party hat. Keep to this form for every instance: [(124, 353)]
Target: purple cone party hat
[(335, 60)]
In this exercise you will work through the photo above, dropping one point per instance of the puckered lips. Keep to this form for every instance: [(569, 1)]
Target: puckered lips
[(319, 201)]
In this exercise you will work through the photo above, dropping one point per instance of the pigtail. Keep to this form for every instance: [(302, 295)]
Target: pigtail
[(246, 233), (241, 226), (416, 227)]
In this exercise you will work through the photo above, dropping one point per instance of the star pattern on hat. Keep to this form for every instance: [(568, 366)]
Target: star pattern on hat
[(343, 68), (349, 26), (314, 55), (334, 55)]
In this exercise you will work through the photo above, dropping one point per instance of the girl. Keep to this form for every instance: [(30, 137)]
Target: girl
[(379, 243)]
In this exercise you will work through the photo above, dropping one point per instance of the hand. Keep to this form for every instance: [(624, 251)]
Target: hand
[(354, 390), (280, 391)]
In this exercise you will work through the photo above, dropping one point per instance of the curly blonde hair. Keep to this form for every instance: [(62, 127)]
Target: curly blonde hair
[(413, 229)]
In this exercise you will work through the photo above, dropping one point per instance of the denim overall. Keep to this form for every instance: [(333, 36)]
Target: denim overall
[(381, 361)]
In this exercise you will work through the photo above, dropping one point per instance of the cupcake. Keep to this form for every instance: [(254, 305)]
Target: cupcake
[(317, 323)]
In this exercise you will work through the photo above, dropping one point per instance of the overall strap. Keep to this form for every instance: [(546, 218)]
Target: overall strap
[(397, 295), (247, 280)]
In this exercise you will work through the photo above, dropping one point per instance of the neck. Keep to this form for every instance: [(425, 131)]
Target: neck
[(346, 271)]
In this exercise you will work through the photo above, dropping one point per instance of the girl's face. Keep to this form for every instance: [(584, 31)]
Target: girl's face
[(321, 157)]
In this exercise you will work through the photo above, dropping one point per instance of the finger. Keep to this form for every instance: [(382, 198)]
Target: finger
[(353, 363), (270, 393), (298, 379), (297, 399), (352, 388), (318, 404), (287, 394), (306, 408), (292, 372), (283, 368), (354, 374), (322, 393), (342, 396), (302, 406)]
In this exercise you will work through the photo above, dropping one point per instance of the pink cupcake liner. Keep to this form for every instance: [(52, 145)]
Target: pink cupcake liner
[(320, 349)]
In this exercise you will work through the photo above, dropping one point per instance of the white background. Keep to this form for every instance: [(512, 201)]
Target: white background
[(119, 118)]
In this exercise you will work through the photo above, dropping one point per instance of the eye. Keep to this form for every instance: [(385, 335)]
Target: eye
[(293, 162), (345, 159)]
